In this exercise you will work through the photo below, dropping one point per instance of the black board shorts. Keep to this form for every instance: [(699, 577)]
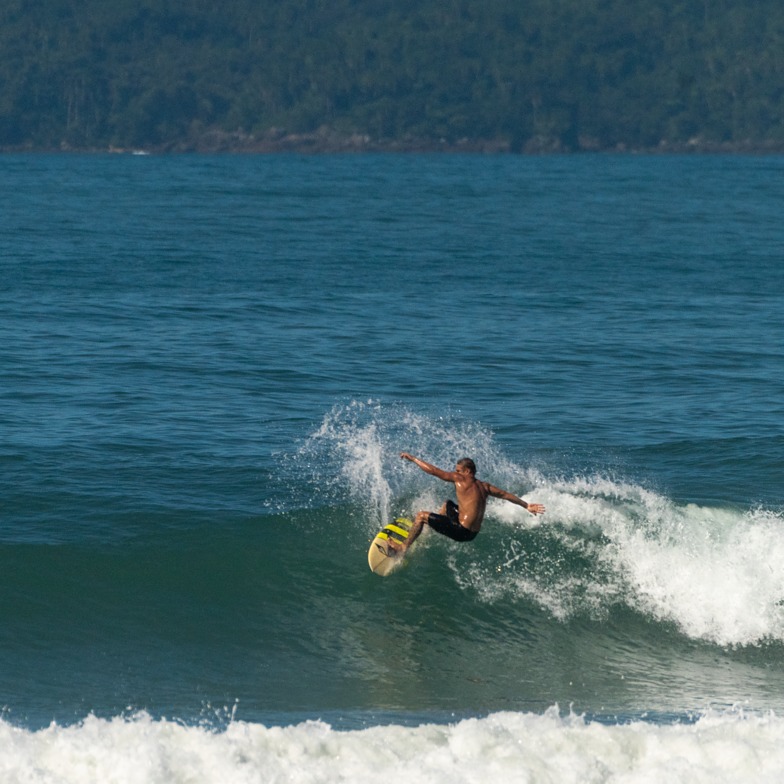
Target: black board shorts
[(449, 524)]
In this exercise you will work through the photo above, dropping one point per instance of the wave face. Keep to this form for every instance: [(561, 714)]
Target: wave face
[(605, 545), (619, 601)]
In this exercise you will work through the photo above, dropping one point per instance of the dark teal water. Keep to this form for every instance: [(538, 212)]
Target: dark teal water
[(210, 365)]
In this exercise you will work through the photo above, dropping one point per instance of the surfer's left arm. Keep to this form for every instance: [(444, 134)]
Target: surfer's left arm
[(496, 492)]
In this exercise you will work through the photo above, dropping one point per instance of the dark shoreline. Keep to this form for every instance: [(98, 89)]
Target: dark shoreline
[(328, 142)]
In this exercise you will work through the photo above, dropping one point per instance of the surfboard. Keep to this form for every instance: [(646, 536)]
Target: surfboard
[(382, 559)]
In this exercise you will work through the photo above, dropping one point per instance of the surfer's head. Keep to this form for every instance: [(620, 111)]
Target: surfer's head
[(467, 462)]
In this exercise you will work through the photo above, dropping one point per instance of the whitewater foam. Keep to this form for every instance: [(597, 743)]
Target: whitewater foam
[(717, 574), (508, 747)]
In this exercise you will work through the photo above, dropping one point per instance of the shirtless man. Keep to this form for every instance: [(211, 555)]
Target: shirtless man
[(463, 520)]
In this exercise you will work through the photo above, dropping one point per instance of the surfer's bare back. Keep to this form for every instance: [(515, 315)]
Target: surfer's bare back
[(460, 521)]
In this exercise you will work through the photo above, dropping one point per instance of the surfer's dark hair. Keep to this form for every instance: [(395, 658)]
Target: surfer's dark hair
[(468, 463)]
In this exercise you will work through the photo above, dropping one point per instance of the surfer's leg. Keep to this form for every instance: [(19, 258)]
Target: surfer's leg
[(413, 533), (416, 529)]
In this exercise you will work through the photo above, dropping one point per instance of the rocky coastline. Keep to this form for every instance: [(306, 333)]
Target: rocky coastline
[(329, 141)]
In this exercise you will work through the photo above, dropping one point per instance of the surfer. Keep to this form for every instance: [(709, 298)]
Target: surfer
[(460, 521)]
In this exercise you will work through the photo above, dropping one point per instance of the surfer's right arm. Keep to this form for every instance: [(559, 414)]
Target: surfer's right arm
[(429, 468)]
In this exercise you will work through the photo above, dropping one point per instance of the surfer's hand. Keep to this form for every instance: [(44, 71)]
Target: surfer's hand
[(406, 456), (535, 509)]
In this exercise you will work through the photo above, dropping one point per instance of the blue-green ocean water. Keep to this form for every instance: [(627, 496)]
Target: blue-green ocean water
[(208, 369)]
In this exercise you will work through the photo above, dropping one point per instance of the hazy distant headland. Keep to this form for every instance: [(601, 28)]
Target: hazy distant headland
[(392, 75)]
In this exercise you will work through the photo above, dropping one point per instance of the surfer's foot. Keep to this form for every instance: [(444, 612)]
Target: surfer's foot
[(396, 547)]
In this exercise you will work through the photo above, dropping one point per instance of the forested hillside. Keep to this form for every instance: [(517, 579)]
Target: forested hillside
[(392, 74)]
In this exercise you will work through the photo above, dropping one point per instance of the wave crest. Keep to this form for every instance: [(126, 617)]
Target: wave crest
[(716, 574)]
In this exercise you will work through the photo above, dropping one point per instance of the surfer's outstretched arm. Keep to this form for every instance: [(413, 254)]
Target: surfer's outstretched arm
[(429, 468), (496, 492)]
